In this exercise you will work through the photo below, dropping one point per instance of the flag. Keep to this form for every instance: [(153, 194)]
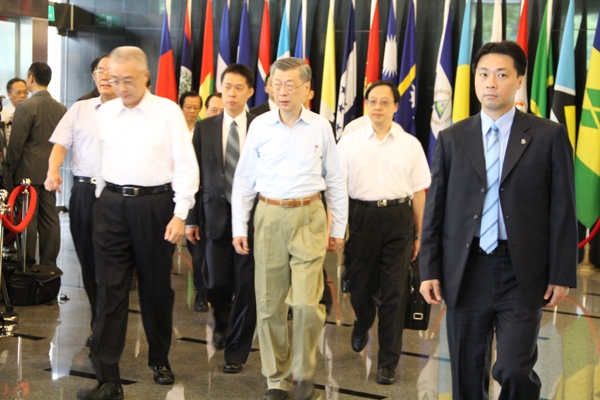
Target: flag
[(497, 22), (390, 52), (372, 69), (543, 74), (243, 50), (283, 47), (462, 86), (405, 115), (208, 66), (328, 86), (264, 57), (301, 49), (224, 57), (346, 111), (477, 43), (522, 37), (563, 101), (587, 160), (441, 115), (165, 80), (185, 74)]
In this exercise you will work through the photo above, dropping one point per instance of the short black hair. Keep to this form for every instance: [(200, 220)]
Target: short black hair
[(216, 94), (10, 83), (185, 95), (393, 88), (507, 48), (242, 70), (97, 60), (41, 72)]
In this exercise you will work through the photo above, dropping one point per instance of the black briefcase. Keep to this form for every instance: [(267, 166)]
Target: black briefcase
[(417, 309), (39, 284)]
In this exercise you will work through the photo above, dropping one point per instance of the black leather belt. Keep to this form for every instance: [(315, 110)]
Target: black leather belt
[(501, 250), (84, 179), (133, 191), (381, 203)]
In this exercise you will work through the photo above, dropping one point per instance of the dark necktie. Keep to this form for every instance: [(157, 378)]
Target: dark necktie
[(232, 155), (488, 239)]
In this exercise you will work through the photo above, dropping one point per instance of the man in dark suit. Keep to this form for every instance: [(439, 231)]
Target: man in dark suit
[(267, 105), (218, 141), (28, 153), (500, 231)]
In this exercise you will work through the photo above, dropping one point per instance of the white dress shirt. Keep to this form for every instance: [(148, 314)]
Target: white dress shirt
[(7, 112), (242, 123), (78, 128), (147, 145), (284, 162), (393, 168)]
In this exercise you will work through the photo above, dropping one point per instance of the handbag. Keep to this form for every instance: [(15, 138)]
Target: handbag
[(39, 284), (417, 309)]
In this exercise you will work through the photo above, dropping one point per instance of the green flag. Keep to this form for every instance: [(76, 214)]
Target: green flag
[(543, 74)]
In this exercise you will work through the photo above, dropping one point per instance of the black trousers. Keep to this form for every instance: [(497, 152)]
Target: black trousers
[(378, 255), (129, 233), (230, 290), (46, 224), (490, 300), (81, 207)]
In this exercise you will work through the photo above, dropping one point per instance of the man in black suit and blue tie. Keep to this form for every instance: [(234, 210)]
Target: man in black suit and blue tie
[(500, 231), (218, 142)]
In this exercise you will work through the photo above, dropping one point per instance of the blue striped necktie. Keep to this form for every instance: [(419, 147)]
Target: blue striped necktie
[(488, 238), (232, 155)]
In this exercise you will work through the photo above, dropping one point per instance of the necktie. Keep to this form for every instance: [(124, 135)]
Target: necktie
[(488, 238), (232, 155)]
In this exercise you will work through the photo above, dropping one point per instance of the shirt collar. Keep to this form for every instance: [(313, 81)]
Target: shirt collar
[(144, 105), (504, 123), (305, 115), (240, 119), (395, 131)]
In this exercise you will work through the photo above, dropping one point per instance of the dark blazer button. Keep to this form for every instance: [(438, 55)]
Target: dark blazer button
[(482, 190), (468, 244), (506, 216), (222, 196), (502, 189), (475, 216)]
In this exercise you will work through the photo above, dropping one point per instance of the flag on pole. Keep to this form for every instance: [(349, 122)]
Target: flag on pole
[(587, 160), (543, 74), (346, 110), (185, 74), (165, 80), (441, 115), (563, 101), (390, 52), (497, 22), (224, 57), (405, 115), (372, 70), (302, 47), (462, 87), (477, 43), (264, 57), (522, 37), (283, 47), (243, 50), (328, 86), (208, 63)]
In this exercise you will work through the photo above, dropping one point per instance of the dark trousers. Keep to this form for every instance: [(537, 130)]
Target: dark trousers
[(230, 290), (81, 207), (377, 255), (198, 252), (129, 233), (44, 223), (490, 299)]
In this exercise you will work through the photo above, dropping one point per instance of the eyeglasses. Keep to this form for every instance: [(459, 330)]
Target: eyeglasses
[(384, 102), (128, 83), (289, 87), (18, 92), (100, 72)]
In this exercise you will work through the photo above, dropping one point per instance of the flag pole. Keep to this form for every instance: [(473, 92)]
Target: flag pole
[(586, 266)]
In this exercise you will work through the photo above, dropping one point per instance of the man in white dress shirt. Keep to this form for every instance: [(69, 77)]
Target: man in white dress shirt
[(78, 129), (146, 163), (387, 176)]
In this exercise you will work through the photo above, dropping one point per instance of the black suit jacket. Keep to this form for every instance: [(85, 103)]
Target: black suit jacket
[(212, 210), (260, 109), (537, 198)]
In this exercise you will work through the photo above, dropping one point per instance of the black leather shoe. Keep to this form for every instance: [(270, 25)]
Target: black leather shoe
[(218, 340), (102, 391), (163, 375), (385, 376), (232, 367), (359, 340), (200, 305), (275, 394), (304, 390)]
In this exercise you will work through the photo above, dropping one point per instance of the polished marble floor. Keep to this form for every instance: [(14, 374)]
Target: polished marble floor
[(47, 358)]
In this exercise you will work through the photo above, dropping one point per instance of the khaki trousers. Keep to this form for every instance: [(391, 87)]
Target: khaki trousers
[(289, 250)]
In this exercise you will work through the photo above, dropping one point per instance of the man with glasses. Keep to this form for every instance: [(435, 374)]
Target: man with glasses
[(288, 159), (191, 104), (78, 129), (146, 163), (17, 92), (94, 92), (387, 175), (28, 152)]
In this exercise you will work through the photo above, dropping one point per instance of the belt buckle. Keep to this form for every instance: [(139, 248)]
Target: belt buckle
[(417, 316), (130, 191), (93, 180), (287, 203), (382, 203)]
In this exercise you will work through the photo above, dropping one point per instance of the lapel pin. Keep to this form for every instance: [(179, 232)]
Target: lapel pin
[(523, 141)]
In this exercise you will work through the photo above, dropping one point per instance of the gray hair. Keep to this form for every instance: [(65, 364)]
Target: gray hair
[(130, 54), (291, 63)]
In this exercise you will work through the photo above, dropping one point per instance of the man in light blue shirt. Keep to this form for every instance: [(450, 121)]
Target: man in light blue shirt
[(289, 158)]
